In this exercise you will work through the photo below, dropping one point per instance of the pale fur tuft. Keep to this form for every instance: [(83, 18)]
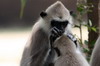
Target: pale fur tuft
[(57, 10)]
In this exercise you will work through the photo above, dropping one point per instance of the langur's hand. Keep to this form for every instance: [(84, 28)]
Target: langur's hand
[(55, 33)]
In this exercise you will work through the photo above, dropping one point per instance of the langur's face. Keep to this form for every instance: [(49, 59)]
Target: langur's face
[(59, 23)]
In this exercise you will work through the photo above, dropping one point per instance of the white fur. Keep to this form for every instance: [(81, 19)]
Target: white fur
[(70, 55), (58, 9), (95, 57), (55, 11)]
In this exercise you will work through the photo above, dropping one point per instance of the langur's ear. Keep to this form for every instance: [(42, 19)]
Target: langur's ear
[(71, 12), (43, 14)]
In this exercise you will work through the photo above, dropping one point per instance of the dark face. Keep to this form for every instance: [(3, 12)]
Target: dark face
[(61, 25)]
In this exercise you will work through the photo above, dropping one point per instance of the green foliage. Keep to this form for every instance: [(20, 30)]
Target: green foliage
[(23, 3), (92, 43), (82, 9), (85, 50), (86, 42), (90, 22), (92, 29)]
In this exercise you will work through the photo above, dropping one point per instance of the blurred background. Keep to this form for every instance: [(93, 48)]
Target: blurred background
[(18, 16), (10, 11)]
